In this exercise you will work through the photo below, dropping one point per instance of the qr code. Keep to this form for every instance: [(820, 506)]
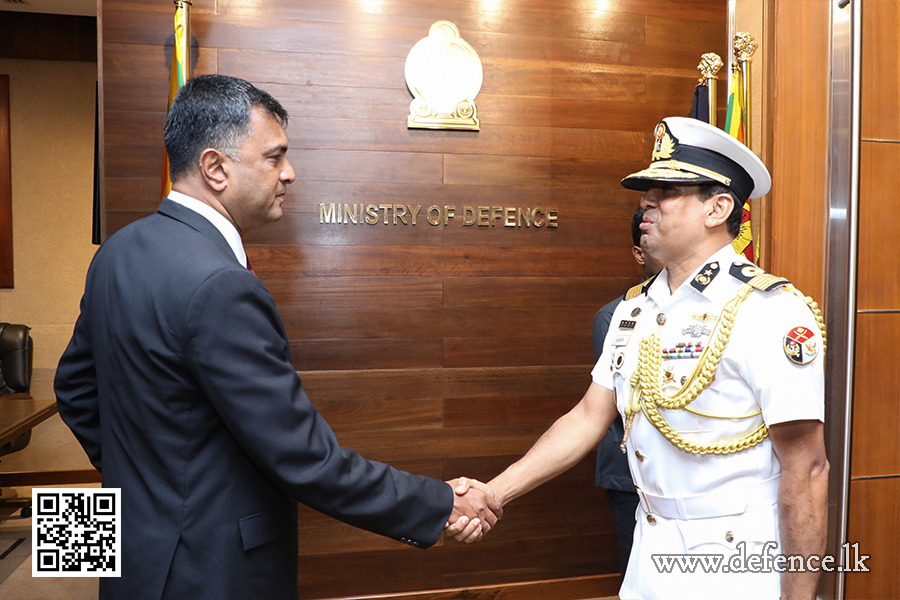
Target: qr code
[(75, 532)]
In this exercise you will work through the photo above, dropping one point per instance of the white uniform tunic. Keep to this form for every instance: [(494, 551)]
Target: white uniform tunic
[(710, 504)]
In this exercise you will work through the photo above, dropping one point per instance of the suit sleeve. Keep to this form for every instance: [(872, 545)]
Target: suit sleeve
[(238, 351), (77, 395)]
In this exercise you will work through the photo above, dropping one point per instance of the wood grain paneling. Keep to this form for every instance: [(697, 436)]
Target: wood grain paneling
[(598, 587), (874, 524), (874, 512), (443, 349), (876, 413), (878, 285), (880, 79), (393, 261), (39, 36), (800, 156)]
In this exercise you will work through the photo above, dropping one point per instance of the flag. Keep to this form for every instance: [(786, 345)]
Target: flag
[(700, 105), (181, 72), (734, 126)]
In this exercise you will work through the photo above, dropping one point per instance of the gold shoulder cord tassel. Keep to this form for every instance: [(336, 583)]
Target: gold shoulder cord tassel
[(646, 386)]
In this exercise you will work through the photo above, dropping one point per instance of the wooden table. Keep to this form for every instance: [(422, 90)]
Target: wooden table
[(19, 413)]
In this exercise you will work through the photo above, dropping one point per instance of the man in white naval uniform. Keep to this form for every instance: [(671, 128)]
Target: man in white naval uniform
[(718, 371)]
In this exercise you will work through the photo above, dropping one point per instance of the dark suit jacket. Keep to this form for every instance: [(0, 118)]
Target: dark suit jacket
[(612, 466), (178, 383)]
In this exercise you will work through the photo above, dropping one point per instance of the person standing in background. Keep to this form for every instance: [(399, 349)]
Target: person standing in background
[(612, 464)]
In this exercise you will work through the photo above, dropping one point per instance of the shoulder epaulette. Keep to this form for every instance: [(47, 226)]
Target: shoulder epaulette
[(640, 288), (756, 277)]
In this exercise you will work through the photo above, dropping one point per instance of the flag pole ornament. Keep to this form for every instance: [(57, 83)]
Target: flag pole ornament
[(687, 152), (709, 66), (180, 72), (444, 74), (738, 125)]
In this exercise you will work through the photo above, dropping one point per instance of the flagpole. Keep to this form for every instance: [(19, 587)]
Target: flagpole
[(744, 47), (180, 71), (710, 63), (185, 58)]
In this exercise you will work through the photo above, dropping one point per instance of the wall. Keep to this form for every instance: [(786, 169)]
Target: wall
[(445, 350), (874, 508), (52, 141)]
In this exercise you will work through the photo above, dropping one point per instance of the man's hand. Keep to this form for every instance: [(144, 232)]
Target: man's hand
[(475, 510)]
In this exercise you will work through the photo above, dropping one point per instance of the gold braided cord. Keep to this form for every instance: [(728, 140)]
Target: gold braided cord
[(814, 307), (751, 439), (709, 416), (646, 384), (650, 363)]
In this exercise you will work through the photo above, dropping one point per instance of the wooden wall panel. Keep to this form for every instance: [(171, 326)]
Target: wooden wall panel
[(874, 512), (880, 83), (39, 36), (879, 170), (443, 349), (800, 156), (876, 412), (874, 524)]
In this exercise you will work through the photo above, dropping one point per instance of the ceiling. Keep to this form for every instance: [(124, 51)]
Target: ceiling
[(58, 7)]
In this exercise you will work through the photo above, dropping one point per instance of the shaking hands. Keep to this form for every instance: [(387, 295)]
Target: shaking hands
[(476, 509)]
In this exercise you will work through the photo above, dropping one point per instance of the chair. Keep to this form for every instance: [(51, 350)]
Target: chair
[(16, 354)]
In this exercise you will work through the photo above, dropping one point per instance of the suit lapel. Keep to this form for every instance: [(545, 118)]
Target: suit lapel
[(196, 221)]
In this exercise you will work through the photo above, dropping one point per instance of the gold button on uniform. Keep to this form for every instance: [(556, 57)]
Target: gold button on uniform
[(729, 536), (651, 519), (639, 456)]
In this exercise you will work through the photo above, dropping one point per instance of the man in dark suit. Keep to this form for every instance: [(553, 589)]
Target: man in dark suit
[(612, 466), (178, 382)]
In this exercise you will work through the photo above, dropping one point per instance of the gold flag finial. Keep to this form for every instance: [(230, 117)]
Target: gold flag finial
[(744, 46), (710, 63)]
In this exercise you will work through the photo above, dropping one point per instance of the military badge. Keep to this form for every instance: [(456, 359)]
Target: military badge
[(696, 330), (665, 143), (636, 311), (800, 345), (705, 276), (625, 324)]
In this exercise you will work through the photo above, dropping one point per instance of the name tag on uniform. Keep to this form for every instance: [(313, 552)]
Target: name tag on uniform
[(621, 339)]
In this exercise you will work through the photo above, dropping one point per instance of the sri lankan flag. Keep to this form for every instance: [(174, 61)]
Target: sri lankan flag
[(734, 126), (181, 72)]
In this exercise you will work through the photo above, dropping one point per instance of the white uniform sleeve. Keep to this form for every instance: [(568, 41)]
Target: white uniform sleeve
[(786, 390)]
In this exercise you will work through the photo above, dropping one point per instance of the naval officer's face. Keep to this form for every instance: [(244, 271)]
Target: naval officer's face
[(673, 220), (260, 178)]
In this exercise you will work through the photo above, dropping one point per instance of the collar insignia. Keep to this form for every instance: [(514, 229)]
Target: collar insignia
[(705, 276)]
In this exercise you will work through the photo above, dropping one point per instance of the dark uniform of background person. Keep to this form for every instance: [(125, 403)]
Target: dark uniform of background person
[(179, 384), (612, 465)]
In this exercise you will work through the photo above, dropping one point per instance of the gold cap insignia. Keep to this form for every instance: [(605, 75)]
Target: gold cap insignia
[(665, 143)]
